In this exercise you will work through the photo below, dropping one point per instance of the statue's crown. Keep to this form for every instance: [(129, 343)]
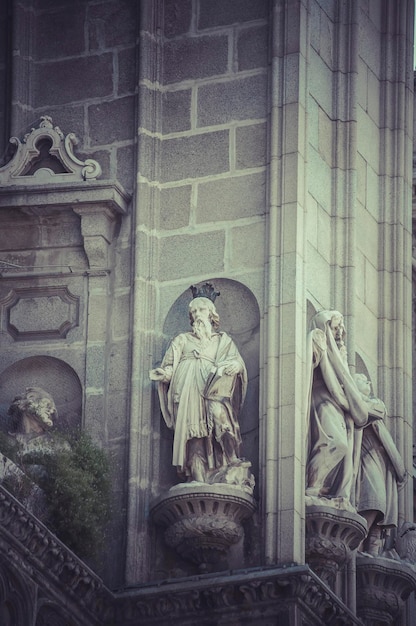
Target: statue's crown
[(204, 291)]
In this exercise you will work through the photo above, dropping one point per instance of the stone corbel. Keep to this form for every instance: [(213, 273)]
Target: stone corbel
[(203, 521), (331, 536), (384, 586), (98, 227)]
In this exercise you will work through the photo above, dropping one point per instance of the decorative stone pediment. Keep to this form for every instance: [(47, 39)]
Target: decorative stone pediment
[(46, 155)]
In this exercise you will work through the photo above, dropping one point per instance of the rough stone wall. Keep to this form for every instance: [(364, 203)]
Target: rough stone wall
[(77, 63), (209, 134)]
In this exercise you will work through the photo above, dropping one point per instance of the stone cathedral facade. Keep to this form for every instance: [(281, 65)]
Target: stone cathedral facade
[(265, 148)]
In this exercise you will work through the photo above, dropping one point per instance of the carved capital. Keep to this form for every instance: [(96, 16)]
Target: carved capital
[(203, 521), (331, 535), (384, 586)]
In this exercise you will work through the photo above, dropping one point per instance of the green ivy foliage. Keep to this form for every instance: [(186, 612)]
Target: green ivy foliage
[(76, 483)]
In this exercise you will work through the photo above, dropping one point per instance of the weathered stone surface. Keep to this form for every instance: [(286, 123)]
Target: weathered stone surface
[(61, 33), (121, 113), (86, 78), (176, 111), (177, 17), (243, 98), (204, 249), (250, 146), (112, 24), (231, 198), (194, 156), (127, 78), (252, 48), (218, 13), (175, 205), (248, 246), (125, 166), (199, 57)]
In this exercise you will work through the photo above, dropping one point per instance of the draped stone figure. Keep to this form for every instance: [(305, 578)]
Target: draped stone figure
[(202, 383), (335, 409), (381, 472)]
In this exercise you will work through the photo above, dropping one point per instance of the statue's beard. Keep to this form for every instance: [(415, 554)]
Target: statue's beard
[(202, 329)]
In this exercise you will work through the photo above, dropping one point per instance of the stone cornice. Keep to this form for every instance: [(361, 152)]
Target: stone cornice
[(107, 193), (256, 593)]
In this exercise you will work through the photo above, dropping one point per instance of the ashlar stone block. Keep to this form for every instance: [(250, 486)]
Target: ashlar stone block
[(69, 25), (74, 79), (231, 198), (252, 48), (177, 17), (176, 111), (248, 246), (204, 255), (240, 99), (251, 146), (121, 114), (196, 57), (219, 13), (175, 203), (195, 156)]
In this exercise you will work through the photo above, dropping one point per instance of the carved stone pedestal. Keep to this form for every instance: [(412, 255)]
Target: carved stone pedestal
[(202, 521), (331, 535), (384, 586)]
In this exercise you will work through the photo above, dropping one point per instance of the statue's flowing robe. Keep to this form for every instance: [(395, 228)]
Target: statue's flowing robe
[(381, 469), (335, 409), (197, 379)]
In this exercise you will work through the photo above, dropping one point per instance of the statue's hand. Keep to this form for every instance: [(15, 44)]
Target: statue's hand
[(232, 369), (157, 374)]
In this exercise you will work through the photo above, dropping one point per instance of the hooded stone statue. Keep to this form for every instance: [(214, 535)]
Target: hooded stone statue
[(335, 409), (381, 471)]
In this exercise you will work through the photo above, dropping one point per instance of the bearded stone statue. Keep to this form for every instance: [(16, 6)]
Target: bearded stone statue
[(202, 383)]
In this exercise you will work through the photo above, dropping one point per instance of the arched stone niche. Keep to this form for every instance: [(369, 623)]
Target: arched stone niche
[(51, 374), (240, 318)]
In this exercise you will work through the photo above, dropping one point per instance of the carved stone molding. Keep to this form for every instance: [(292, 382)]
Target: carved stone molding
[(40, 313), (289, 595), (202, 521), (45, 155), (384, 586), (331, 535)]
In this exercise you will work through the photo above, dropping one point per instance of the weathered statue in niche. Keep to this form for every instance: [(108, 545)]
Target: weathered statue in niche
[(335, 409), (381, 472), (33, 412), (202, 383)]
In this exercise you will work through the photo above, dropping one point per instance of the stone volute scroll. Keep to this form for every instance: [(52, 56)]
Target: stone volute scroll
[(202, 383), (46, 154)]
